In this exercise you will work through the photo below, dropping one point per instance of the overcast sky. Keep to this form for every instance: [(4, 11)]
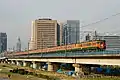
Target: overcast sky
[(16, 15)]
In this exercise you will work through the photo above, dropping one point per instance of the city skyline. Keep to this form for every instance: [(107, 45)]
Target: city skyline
[(16, 16)]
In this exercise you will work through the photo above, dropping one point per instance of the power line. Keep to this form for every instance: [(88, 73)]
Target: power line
[(101, 20)]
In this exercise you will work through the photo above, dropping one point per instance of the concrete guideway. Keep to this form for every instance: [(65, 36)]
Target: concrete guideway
[(55, 55), (78, 61), (71, 54)]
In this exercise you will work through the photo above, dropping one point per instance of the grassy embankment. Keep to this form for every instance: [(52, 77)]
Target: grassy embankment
[(4, 71)]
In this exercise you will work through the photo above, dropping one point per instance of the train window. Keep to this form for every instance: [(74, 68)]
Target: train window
[(89, 44), (84, 44), (80, 45), (98, 42), (94, 43)]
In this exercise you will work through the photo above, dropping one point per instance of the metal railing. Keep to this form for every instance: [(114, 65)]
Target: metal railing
[(73, 54)]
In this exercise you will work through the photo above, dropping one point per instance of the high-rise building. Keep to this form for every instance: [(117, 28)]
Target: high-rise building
[(71, 32), (45, 33), (61, 33), (18, 45), (3, 42)]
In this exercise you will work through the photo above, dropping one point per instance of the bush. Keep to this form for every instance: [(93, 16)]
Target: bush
[(35, 74), (4, 66), (11, 71), (40, 75), (45, 77), (30, 73), (21, 71), (26, 72), (15, 70)]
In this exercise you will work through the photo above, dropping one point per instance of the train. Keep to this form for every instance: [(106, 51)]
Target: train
[(92, 45)]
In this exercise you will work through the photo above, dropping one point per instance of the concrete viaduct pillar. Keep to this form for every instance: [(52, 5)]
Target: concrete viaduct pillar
[(8, 62), (78, 68), (53, 66), (24, 63), (12, 62), (1, 61), (29, 64), (19, 63), (34, 65), (50, 66), (4, 61)]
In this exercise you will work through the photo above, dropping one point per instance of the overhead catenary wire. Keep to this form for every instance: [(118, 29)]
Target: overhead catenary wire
[(102, 20)]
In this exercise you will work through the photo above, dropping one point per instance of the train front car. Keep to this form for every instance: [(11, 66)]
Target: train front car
[(96, 45), (101, 45)]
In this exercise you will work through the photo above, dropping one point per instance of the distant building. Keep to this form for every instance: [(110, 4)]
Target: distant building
[(58, 34), (3, 42), (87, 38), (112, 42), (71, 32), (61, 33), (45, 33), (18, 45)]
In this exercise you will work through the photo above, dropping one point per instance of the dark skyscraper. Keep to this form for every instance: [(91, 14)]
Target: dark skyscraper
[(71, 32), (18, 45), (3, 42)]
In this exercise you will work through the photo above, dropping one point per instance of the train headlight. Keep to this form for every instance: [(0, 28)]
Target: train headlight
[(102, 45)]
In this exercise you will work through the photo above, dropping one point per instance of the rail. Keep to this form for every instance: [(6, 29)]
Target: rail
[(71, 54)]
